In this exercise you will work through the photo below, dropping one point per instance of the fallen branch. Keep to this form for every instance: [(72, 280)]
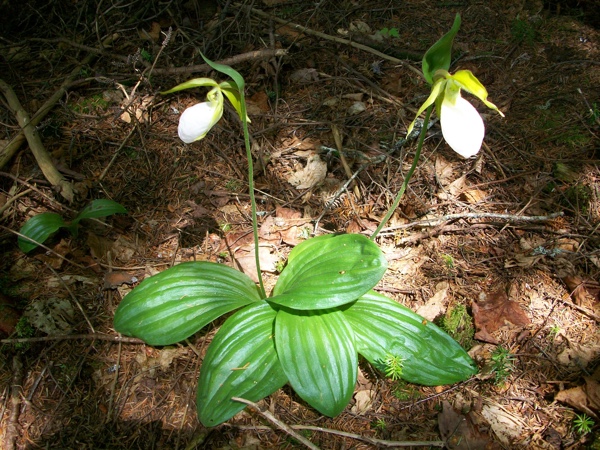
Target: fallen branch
[(258, 54), (11, 148), (328, 37), (73, 337), (11, 433), (35, 144), (279, 424), (373, 441), (436, 221)]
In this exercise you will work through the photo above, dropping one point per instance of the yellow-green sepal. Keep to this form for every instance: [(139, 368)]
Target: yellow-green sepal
[(439, 55), (194, 83), (233, 94), (471, 84), (436, 92)]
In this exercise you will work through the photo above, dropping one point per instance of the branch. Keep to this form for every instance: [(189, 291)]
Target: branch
[(328, 37), (258, 54), (9, 151), (11, 433), (72, 337), (452, 217), (279, 424), (35, 144)]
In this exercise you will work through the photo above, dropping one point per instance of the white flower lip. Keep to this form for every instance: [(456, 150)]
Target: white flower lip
[(462, 126), (196, 121)]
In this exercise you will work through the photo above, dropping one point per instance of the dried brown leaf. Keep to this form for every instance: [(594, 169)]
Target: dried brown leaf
[(492, 310), (459, 432)]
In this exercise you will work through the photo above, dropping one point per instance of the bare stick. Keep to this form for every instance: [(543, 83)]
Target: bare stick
[(279, 424), (373, 441), (258, 54), (9, 150), (450, 217), (73, 337), (35, 144), (328, 37), (11, 432), (72, 296)]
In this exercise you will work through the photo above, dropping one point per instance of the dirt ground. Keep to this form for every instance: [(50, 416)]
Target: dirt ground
[(501, 250)]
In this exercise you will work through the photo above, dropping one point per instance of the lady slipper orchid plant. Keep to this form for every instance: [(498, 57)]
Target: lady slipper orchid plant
[(462, 126), (196, 121)]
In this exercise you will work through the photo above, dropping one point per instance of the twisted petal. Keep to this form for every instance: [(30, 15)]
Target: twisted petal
[(197, 120), (471, 84), (462, 126)]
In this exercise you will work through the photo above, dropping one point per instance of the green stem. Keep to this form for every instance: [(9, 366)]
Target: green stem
[(408, 176), (251, 189)]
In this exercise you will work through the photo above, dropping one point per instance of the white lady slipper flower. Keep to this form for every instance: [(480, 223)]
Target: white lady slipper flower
[(196, 121), (462, 126)]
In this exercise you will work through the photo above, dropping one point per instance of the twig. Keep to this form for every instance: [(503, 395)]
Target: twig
[(258, 54), (452, 217), (9, 150), (373, 441), (113, 387), (73, 337), (39, 244), (11, 433), (72, 296), (582, 310), (279, 424), (33, 188), (35, 144), (328, 37)]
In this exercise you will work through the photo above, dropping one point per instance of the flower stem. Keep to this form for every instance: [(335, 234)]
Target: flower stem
[(252, 197), (409, 174)]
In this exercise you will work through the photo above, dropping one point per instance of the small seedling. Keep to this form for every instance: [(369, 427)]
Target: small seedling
[(379, 425), (448, 260), (39, 228), (582, 424), (393, 367), (502, 363), (389, 32)]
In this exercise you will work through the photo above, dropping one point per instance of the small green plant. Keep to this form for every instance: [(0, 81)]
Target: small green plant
[(379, 424), (233, 185), (523, 31), (39, 228), (502, 364), (582, 424), (225, 227), (23, 329), (458, 323), (448, 260), (389, 32), (393, 367)]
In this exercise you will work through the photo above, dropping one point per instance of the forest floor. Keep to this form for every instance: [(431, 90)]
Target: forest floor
[(501, 250)]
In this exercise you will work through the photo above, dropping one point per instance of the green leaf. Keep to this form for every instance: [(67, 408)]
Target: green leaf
[(317, 353), (190, 84), (241, 362), (99, 208), (39, 228), (173, 305), (229, 71), (439, 54), (383, 327), (328, 271)]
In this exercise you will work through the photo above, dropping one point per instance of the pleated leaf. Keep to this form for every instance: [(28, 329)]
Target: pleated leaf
[(317, 353), (383, 328), (329, 271), (39, 228), (173, 305), (241, 362), (101, 207)]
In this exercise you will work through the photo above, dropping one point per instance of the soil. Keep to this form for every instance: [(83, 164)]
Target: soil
[(501, 250)]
